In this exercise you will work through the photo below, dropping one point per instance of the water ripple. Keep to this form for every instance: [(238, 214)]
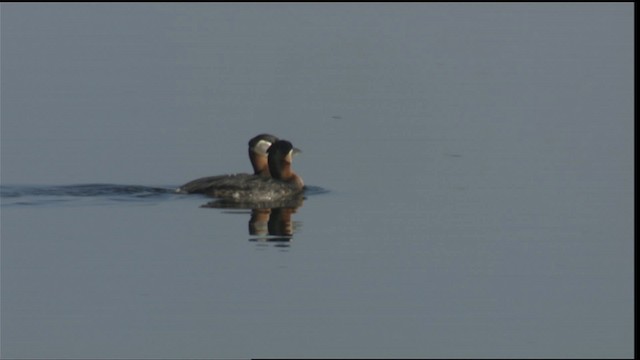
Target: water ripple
[(19, 195), (43, 195)]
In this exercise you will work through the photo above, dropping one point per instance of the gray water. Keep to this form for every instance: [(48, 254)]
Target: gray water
[(470, 166)]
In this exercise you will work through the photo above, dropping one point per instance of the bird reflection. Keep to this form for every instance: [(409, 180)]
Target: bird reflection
[(272, 225), (270, 221)]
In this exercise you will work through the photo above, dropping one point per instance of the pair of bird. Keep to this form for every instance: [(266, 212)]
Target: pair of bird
[(273, 178)]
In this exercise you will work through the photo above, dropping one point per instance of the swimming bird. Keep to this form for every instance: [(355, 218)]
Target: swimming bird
[(283, 183), (258, 146)]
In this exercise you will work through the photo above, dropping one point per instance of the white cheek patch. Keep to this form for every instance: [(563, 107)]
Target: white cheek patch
[(262, 146)]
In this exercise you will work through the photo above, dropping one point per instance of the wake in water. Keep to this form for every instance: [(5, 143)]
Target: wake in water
[(18, 195), (42, 195)]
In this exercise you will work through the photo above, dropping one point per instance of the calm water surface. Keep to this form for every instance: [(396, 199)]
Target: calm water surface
[(470, 170)]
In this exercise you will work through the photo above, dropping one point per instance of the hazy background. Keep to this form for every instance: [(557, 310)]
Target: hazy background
[(478, 158)]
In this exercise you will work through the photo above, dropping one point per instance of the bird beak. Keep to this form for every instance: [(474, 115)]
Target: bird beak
[(295, 151)]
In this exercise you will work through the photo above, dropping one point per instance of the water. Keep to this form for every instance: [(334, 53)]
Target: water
[(470, 170)]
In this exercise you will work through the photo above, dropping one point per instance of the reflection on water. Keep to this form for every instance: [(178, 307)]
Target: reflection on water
[(273, 225), (270, 222)]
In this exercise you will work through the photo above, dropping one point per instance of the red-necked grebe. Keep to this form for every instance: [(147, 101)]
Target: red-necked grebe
[(258, 146), (258, 156), (258, 187)]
